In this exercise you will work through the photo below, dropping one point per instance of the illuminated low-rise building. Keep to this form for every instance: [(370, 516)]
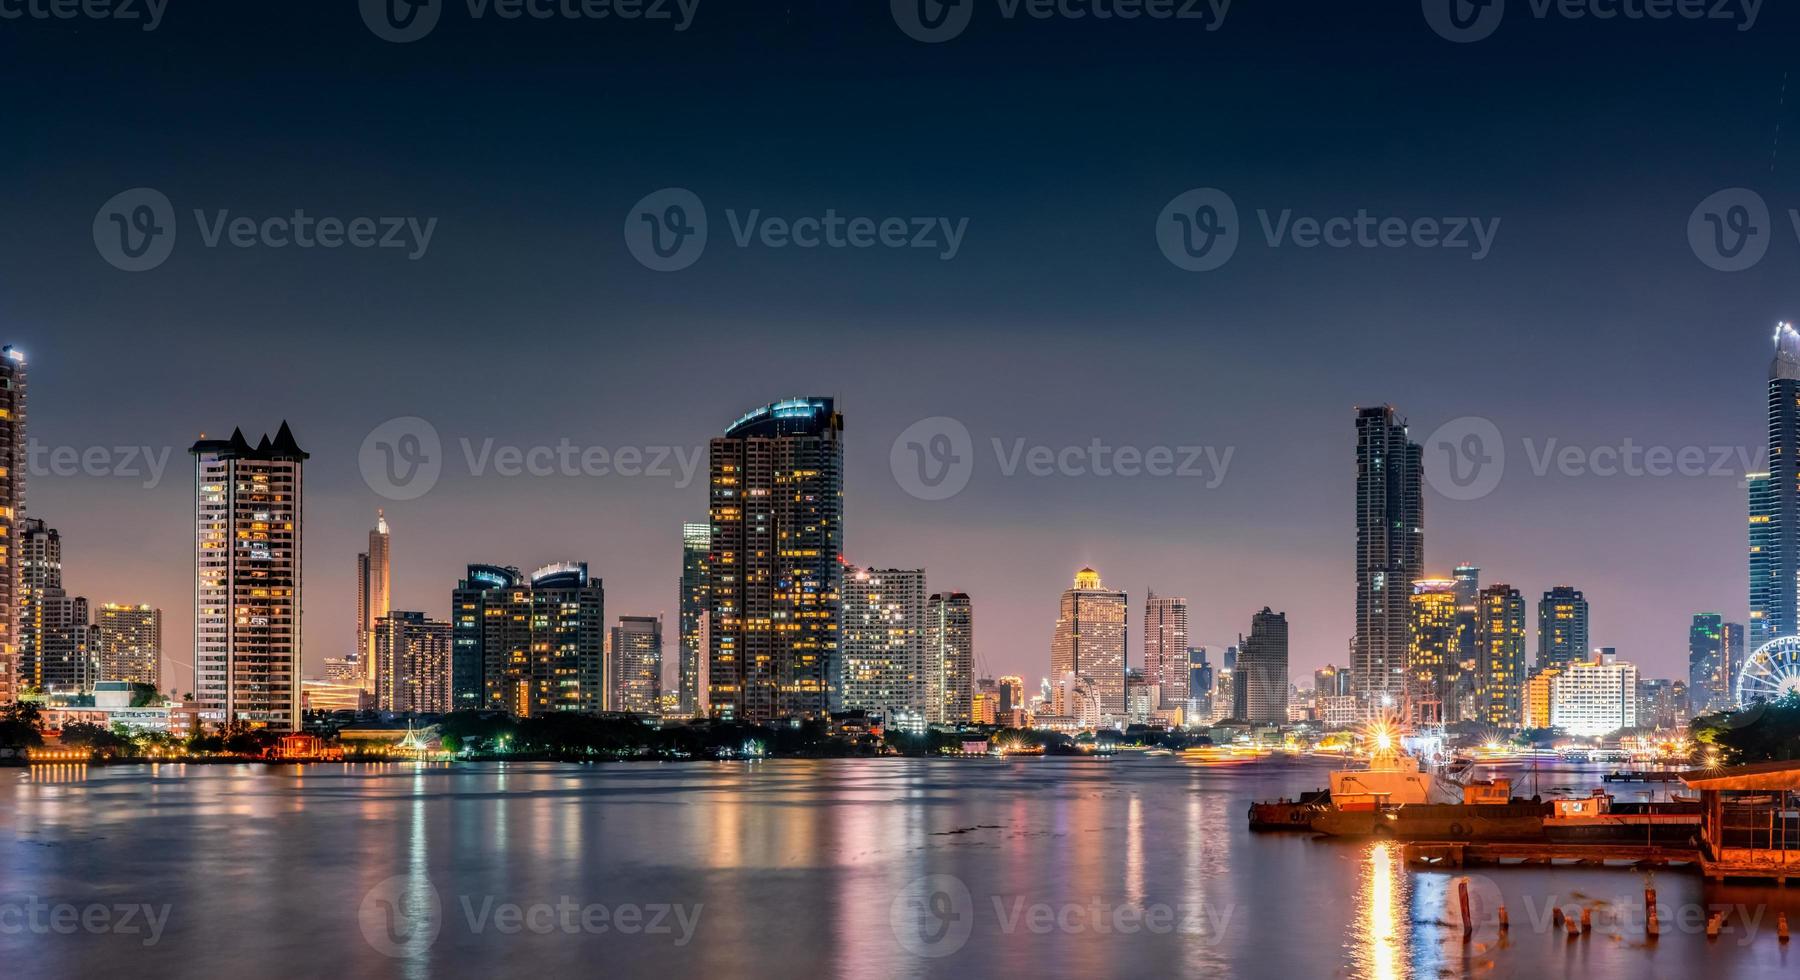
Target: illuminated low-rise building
[(128, 643), (1596, 697)]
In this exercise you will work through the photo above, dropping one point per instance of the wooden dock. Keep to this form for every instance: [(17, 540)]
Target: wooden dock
[(1457, 854)]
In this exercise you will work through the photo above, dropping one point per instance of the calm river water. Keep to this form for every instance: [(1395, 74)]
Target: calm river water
[(1039, 868)]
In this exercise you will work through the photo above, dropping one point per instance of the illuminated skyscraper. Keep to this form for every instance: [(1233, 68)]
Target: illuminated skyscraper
[(1087, 651), (1710, 682), (1262, 668), (950, 654), (1165, 648), (1500, 656), (1562, 627), (1390, 554), (1468, 596), (412, 661), (128, 643), (1432, 657), (542, 643), (696, 542), (247, 578), (1775, 503), (55, 643), (886, 664), (374, 597), (468, 629), (635, 666), (13, 460), (774, 577)]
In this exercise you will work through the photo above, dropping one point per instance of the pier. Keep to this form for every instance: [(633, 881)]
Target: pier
[(1458, 854)]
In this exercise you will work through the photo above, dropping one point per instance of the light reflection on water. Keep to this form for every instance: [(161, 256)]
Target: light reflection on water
[(795, 866)]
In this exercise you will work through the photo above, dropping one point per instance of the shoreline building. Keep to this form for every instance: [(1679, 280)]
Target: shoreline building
[(128, 643), (634, 667), (1165, 648), (1433, 652), (1595, 697), (14, 460), (950, 655), (776, 480), (468, 628), (1775, 503), (541, 641), (374, 598), (886, 663), (1262, 668), (412, 660), (696, 542), (1087, 651), (248, 526), (55, 650), (1390, 554), (1500, 656), (1562, 627)]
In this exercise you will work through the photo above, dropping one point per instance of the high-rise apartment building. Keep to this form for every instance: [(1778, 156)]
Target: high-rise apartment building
[(950, 654), (541, 641), (1468, 598), (14, 449), (1199, 707), (1709, 684), (374, 597), (1165, 648), (885, 663), (468, 630), (635, 666), (412, 663), (1262, 668), (696, 543), (1390, 554), (1087, 651), (55, 648), (1562, 627), (1500, 656), (1433, 651), (128, 643), (774, 578), (1732, 639), (1775, 503), (247, 578)]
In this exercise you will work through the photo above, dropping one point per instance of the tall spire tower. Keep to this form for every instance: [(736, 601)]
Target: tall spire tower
[(1775, 502), (374, 596)]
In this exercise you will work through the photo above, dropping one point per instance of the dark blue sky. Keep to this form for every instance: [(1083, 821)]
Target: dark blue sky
[(527, 321)]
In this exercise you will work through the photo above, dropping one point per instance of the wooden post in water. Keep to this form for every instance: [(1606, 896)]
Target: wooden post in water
[(1712, 925), (1652, 928), (1587, 920), (1462, 898), (1574, 927), (1506, 925), (1781, 927)]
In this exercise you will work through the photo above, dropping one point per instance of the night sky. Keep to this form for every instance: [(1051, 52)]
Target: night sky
[(1059, 321)]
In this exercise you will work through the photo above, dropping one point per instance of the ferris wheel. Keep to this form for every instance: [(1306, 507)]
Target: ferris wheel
[(1771, 672)]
